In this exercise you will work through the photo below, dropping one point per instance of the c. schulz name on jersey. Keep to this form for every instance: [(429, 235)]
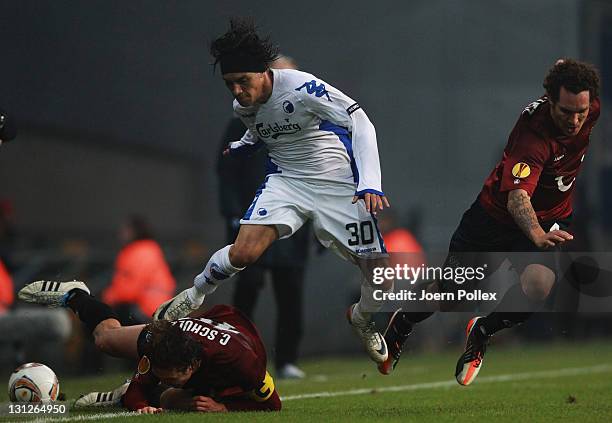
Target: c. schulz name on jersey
[(277, 129)]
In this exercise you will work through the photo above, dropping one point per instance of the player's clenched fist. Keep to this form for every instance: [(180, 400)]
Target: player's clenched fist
[(207, 404), (149, 410)]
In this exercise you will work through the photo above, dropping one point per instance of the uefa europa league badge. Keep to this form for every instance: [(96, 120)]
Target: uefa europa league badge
[(144, 365)]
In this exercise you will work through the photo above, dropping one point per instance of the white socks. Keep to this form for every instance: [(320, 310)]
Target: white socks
[(362, 312), (217, 269)]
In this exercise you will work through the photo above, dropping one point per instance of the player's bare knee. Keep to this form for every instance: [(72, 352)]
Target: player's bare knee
[(537, 290), (251, 242), (102, 335), (101, 341), (537, 281), (243, 255)]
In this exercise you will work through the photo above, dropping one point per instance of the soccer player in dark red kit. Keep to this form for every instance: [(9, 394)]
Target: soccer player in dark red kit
[(525, 206), (212, 361)]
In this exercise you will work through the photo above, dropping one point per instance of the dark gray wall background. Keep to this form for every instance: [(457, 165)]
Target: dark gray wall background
[(443, 81)]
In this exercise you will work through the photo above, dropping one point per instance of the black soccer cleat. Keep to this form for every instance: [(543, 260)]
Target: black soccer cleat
[(395, 337), (470, 362)]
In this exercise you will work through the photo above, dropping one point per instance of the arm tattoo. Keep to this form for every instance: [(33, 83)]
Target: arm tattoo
[(520, 208)]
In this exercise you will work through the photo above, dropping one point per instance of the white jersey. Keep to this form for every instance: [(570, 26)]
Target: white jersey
[(313, 132)]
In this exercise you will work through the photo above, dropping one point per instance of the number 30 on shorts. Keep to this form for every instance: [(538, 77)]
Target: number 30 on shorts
[(363, 231)]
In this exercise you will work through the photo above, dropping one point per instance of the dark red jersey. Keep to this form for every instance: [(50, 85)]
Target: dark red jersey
[(540, 160), (233, 364)]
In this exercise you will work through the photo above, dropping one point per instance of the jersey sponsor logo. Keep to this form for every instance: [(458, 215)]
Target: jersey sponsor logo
[(262, 211), (288, 107), (353, 108), (365, 250), (521, 170), (275, 130), (562, 187), (144, 365), (313, 88)]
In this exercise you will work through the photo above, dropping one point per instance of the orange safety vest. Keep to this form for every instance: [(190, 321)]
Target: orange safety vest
[(402, 241), (7, 294), (142, 277)]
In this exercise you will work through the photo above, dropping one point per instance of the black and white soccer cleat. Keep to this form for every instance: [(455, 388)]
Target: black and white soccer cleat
[(102, 399), (373, 341), (178, 307), (49, 293)]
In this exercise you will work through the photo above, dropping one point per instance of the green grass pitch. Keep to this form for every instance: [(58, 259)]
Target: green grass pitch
[(559, 382)]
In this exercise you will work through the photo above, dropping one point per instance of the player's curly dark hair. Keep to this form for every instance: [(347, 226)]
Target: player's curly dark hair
[(168, 347), (575, 76), (242, 37)]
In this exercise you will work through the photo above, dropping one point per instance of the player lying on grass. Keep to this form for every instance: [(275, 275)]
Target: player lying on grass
[(524, 206), (213, 361)]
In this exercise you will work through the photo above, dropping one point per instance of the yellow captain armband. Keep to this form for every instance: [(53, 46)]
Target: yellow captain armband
[(265, 390)]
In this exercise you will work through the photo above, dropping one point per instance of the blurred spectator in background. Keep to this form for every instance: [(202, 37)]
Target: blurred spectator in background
[(405, 249), (7, 295), (7, 234), (142, 278), (27, 335), (401, 243), (398, 239), (284, 261)]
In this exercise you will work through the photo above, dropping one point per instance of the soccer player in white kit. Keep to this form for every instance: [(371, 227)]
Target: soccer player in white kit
[(323, 165)]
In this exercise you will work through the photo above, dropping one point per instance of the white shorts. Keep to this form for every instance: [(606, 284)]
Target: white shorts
[(288, 203)]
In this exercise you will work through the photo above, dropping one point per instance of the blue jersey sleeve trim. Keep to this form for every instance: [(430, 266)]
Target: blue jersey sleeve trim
[(343, 135), (368, 191)]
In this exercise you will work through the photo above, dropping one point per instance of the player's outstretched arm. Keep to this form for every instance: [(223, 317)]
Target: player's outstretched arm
[(365, 151), (520, 208), (330, 104)]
